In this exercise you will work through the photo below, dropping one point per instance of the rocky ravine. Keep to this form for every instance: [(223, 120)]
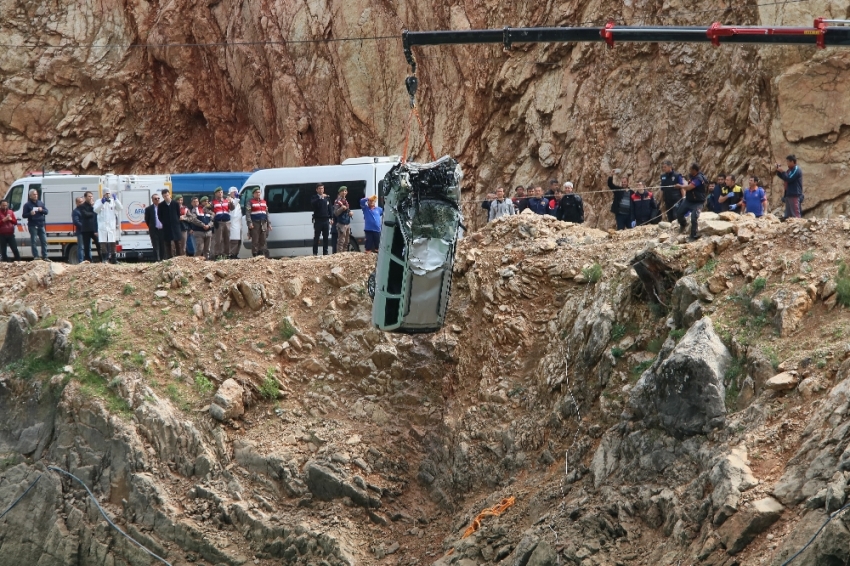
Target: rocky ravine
[(77, 92), (244, 412)]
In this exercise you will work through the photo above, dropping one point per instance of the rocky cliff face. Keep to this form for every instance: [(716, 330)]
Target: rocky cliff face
[(228, 85), (692, 409)]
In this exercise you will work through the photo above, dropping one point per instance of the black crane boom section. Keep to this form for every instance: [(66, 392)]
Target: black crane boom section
[(820, 35)]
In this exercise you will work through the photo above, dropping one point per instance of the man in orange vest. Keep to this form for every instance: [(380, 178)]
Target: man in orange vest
[(221, 208), (258, 224)]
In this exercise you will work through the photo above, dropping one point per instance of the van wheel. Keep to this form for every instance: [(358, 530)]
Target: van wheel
[(353, 246), (71, 254), (370, 285)]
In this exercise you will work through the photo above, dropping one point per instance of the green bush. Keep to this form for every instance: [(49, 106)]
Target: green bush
[(758, 285), (286, 329), (655, 345), (843, 288), (617, 352), (677, 334), (593, 273), (618, 331), (807, 256), (202, 384), (269, 389), (128, 289)]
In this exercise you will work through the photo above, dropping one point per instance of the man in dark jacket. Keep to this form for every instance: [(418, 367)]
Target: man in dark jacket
[(538, 203), (88, 218), (644, 207), (169, 215), (695, 195), (571, 207), (621, 205), (793, 178), (77, 221), (322, 215), (155, 228), (35, 212), (670, 192), (519, 200)]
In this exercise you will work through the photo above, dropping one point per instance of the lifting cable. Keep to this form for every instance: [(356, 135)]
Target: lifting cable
[(412, 84)]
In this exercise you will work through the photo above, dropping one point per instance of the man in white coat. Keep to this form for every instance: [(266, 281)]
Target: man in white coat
[(108, 224), (235, 223)]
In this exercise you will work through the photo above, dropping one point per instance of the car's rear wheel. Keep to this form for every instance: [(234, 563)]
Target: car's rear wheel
[(370, 285), (353, 246)]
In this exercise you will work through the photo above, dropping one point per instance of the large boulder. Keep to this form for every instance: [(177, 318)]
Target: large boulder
[(729, 477), (683, 392), (228, 402), (791, 306), (686, 291), (15, 340), (741, 529)]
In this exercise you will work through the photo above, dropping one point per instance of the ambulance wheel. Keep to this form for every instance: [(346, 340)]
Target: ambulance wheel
[(370, 285), (71, 254)]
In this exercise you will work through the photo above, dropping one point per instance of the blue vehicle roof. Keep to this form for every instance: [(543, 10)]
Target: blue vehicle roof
[(207, 182)]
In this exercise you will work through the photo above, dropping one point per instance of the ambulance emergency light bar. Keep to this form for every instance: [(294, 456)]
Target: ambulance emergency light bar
[(821, 35)]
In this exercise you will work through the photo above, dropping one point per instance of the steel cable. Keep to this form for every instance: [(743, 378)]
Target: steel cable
[(105, 516), (15, 502)]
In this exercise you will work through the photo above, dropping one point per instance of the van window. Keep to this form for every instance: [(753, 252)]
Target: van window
[(15, 197), (296, 197)]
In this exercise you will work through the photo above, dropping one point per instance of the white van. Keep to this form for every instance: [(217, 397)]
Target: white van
[(288, 191), (60, 190)]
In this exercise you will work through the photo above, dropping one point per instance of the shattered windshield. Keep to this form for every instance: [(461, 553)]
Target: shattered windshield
[(425, 199)]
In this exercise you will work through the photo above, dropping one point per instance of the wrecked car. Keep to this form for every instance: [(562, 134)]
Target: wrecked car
[(422, 222)]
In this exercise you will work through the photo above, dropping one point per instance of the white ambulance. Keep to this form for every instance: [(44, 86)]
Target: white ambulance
[(60, 190), (288, 191)]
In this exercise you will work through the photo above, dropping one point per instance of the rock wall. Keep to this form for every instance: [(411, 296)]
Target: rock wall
[(227, 86)]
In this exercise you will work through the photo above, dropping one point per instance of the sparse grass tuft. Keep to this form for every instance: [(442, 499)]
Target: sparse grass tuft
[(638, 370), (593, 273), (286, 329), (617, 352), (176, 395), (843, 281), (34, 367), (203, 384), (758, 285), (94, 385), (128, 289), (807, 256), (710, 266), (618, 331), (269, 389), (772, 356), (677, 334), (655, 345)]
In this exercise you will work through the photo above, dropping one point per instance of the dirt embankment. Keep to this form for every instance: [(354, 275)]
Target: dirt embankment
[(245, 412)]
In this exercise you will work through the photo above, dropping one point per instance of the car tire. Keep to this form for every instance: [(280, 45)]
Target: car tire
[(71, 254), (370, 285), (353, 246)]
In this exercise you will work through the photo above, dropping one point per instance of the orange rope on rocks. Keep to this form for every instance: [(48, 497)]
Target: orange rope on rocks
[(415, 112), (493, 511)]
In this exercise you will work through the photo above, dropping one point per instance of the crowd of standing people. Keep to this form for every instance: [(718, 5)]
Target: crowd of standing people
[(208, 229), (683, 198)]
